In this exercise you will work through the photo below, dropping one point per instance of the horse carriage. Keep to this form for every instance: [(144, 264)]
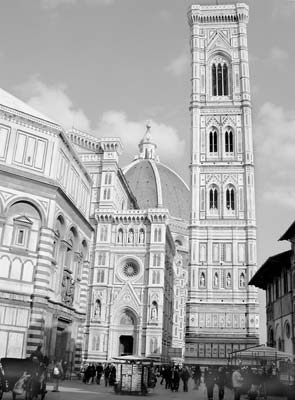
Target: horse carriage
[(24, 377)]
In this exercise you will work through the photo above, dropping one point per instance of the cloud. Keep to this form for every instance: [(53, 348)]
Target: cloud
[(56, 3), (116, 124), (55, 102), (278, 56), (283, 8), (274, 134), (179, 65)]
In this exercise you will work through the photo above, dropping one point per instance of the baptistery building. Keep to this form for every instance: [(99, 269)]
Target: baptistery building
[(93, 258)]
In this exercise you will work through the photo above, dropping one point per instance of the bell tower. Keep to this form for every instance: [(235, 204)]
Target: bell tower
[(222, 310)]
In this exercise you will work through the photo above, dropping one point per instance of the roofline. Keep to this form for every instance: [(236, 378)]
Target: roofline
[(290, 232), (258, 279), (32, 117)]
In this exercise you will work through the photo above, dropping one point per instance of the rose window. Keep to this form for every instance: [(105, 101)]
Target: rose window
[(130, 269)]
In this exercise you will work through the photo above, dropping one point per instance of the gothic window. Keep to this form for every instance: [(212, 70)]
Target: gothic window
[(103, 233), (213, 141), (108, 179), (229, 141), (100, 276), (219, 72), (158, 277), (230, 198), (95, 343), (154, 277), (101, 258), (157, 260), (157, 235), (153, 345), (213, 198)]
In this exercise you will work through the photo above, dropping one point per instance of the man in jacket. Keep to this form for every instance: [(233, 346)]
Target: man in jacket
[(237, 381)]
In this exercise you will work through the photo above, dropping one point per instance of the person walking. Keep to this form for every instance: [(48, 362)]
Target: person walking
[(221, 381), (209, 380), (185, 375), (99, 371), (197, 376), (106, 374), (57, 375), (237, 381)]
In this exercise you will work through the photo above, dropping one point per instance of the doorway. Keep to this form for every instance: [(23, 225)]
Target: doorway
[(126, 345)]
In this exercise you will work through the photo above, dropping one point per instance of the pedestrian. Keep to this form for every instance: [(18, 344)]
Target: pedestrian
[(37, 355), (112, 375), (91, 374), (185, 375), (65, 369), (57, 375), (209, 380), (175, 378), (221, 381), (197, 376), (237, 381), (99, 372), (106, 374)]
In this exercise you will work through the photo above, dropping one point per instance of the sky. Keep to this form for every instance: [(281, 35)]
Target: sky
[(110, 66)]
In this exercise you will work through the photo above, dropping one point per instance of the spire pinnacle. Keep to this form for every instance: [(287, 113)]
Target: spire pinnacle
[(147, 147)]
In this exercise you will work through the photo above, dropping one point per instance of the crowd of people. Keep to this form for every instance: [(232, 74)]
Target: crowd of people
[(92, 373)]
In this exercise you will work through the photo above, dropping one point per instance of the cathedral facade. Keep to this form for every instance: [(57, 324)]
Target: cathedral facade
[(222, 312), (98, 261)]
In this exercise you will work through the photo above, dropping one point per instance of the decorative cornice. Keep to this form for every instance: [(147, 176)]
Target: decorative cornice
[(28, 121)]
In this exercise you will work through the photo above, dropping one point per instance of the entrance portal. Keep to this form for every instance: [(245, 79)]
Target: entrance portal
[(126, 345)]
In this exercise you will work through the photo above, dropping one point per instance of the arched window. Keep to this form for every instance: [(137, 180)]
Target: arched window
[(229, 141), (154, 277), (100, 276), (213, 198), (230, 198), (158, 277), (213, 147), (219, 72)]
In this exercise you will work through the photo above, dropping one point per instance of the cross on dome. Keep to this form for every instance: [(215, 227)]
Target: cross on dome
[(147, 147)]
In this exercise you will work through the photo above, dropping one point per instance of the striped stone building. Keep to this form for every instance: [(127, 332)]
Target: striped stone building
[(45, 236), (85, 270)]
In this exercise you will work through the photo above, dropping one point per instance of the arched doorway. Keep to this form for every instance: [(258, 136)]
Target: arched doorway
[(127, 333), (126, 345)]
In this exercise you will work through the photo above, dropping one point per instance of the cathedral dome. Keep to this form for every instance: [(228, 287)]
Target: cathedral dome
[(154, 184)]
